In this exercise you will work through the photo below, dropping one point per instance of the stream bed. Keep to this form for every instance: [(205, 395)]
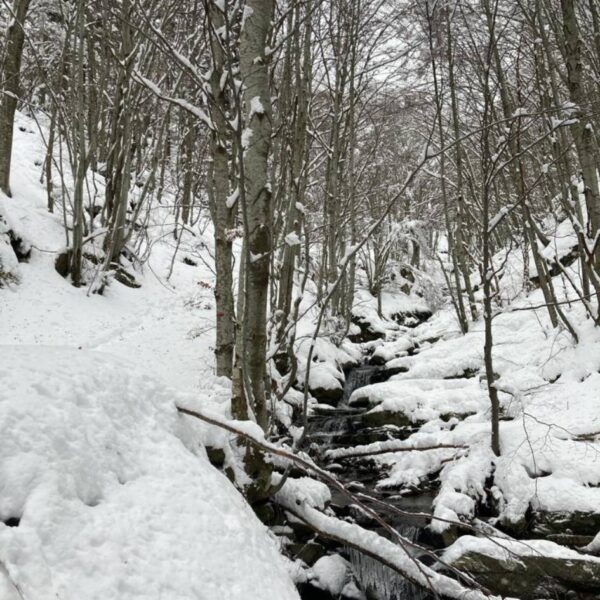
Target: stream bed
[(342, 426)]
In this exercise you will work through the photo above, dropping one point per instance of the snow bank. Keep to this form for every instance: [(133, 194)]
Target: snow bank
[(110, 495), (393, 303)]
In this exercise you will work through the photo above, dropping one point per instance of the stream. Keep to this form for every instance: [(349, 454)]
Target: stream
[(342, 427)]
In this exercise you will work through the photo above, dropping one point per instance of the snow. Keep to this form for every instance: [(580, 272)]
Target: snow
[(9, 266), (330, 573), (423, 399), (387, 352), (548, 387), (302, 490), (552, 428), (292, 239), (233, 198), (393, 302), (451, 359), (508, 550), (256, 107), (182, 102), (114, 492), (393, 554)]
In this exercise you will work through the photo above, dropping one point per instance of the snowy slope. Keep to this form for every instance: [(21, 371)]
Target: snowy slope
[(112, 492)]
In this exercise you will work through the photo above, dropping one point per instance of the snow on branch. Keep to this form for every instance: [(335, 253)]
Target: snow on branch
[(191, 108)]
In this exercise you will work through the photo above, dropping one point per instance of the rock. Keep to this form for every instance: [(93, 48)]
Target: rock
[(572, 541), (377, 360), (367, 333), (565, 523), (356, 434), (62, 263), (330, 396), (534, 576), (266, 512), (308, 591), (446, 417), (466, 374), (554, 268), (330, 578), (216, 456), (445, 538), (126, 278), (411, 318), (387, 372), (379, 418)]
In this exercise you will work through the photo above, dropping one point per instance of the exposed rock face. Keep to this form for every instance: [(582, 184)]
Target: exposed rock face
[(412, 318), (124, 277), (379, 418), (13, 250), (534, 577)]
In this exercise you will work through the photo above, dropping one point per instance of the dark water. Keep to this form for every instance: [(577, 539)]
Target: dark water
[(341, 427), (358, 377)]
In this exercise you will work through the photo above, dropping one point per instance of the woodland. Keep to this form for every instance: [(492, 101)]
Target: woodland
[(299, 299)]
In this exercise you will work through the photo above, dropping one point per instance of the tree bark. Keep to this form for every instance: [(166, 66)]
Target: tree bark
[(257, 200), (218, 190), (10, 77), (583, 131)]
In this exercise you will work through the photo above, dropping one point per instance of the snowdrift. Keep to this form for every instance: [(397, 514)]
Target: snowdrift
[(105, 493)]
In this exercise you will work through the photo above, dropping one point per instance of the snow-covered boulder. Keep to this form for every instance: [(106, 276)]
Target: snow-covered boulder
[(415, 401), (527, 569)]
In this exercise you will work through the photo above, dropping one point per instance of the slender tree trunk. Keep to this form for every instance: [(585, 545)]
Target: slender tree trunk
[(223, 215), (10, 76), (583, 131), (257, 200)]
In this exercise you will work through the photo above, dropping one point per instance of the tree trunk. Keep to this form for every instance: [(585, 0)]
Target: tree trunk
[(11, 68), (583, 131), (218, 190), (257, 201)]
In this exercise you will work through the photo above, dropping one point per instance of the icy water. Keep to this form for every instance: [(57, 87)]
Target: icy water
[(341, 427)]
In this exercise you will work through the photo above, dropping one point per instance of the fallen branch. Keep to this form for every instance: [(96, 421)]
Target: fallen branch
[(385, 448), (379, 547)]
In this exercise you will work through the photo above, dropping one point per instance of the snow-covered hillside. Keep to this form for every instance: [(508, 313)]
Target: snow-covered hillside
[(105, 492)]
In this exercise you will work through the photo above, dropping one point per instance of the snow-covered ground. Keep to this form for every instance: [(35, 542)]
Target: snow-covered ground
[(105, 492)]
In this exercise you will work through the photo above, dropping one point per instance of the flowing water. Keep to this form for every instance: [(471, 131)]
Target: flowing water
[(341, 427)]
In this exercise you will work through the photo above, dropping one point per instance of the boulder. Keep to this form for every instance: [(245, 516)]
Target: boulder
[(379, 418), (330, 396), (367, 333), (577, 523), (529, 570)]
